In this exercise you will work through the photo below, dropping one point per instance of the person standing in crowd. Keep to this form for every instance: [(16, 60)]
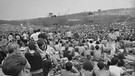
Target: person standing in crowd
[(112, 37), (34, 36)]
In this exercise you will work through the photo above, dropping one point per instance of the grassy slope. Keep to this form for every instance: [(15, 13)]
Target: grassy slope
[(102, 17)]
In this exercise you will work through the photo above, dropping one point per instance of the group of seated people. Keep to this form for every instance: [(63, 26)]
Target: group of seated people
[(42, 56)]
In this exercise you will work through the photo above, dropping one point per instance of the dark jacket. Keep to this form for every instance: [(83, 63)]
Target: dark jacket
[(35, 61)]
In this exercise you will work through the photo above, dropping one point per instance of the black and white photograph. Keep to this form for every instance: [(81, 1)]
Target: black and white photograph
[(67, 37)]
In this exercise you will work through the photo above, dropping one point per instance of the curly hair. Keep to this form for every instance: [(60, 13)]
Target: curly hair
[(87, 66)]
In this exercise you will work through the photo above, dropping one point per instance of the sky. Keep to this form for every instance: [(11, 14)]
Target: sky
[(27, 9)]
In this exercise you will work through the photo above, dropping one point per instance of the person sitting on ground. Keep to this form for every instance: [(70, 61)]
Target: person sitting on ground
[(97, 52), (102, 71), (87, 69), (57, 46), (87, 51), (13, 47), (70, 59), (81, 49), (121, 58), (71, 49), (114, 69), (67, 71)]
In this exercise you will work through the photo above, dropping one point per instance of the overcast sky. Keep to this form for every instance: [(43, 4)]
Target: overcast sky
[(25, 9)]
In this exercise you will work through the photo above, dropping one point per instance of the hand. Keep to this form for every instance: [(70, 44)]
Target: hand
[(37, 46)]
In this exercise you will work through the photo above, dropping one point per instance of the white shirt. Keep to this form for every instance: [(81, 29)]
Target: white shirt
[(35, 36), (115, 70)]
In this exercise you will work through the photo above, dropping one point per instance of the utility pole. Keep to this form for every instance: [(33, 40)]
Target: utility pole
[(67, 12)]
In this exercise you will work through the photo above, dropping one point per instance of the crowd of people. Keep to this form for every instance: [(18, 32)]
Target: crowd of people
[(69, 53)]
